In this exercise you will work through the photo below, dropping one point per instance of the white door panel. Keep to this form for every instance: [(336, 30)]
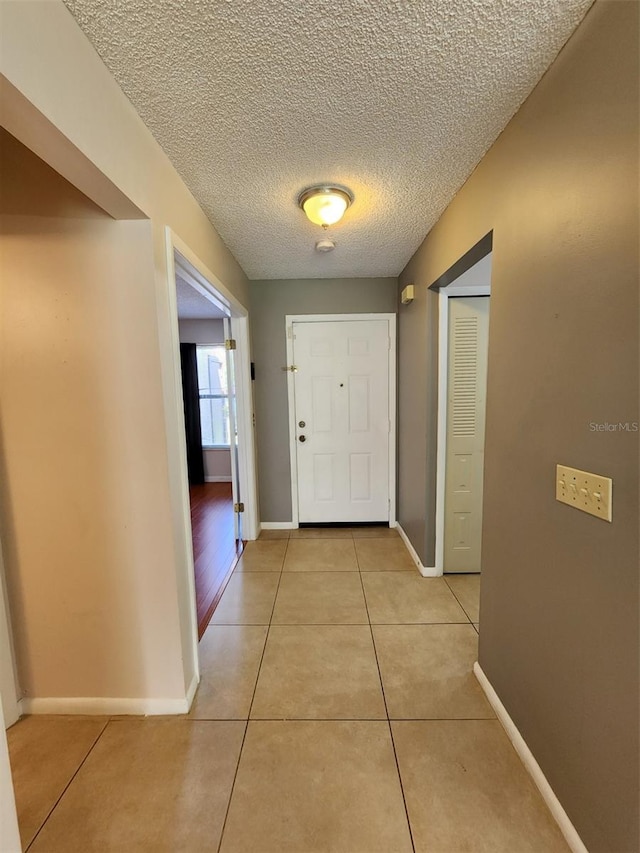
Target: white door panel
[(467, 382), (341, 387)]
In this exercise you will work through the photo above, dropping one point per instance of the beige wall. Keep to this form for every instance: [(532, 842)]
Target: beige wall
[(559, 602), (85, 505), (271, 301), (66, 81), (32, 188), (60, 101)]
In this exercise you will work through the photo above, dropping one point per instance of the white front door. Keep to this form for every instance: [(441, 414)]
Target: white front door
[(466, 403), (342, 418)]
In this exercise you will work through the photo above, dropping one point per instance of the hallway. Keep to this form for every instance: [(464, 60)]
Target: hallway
[(337, 698)]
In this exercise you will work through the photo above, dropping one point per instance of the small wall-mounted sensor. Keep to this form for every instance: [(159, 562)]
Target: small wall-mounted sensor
[(407, 294), (325, 245)]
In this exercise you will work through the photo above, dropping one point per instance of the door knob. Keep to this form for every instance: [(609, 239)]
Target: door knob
[(302, 438)]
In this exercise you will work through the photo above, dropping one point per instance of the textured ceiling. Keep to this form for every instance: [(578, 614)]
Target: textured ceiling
[(192, 305), (253, 100)]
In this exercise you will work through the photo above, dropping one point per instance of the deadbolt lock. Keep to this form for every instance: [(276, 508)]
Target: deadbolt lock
[(302, 424)]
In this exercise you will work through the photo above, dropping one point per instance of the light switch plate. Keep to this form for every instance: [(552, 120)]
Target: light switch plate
[(587, 492)]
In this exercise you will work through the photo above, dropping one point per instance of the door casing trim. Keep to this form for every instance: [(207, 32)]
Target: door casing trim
[(179, 255), (391, 318)]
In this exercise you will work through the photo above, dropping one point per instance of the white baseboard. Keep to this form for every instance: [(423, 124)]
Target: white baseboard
[(526, 756), (278, 525), (425, 571), (98, 705), (222, 478), (191, 692)]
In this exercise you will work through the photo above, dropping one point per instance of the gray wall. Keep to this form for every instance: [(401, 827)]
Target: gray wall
[(201, 332), (270, 302), (559, 601)]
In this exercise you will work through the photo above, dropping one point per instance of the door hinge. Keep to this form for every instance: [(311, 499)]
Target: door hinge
[(238, 507), (230, 344)]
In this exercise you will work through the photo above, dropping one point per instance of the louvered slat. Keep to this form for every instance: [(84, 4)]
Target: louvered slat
[(464, 376)]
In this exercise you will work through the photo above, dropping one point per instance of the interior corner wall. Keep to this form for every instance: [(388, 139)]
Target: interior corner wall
[(559, 599), (418, 413), (60, 100), (67, 82), (85, 509), (271, 301)]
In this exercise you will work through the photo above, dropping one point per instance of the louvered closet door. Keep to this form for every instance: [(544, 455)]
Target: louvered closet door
[(467, 383)]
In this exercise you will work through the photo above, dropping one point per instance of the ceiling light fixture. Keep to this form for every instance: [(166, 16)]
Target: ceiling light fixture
[(325, 205)]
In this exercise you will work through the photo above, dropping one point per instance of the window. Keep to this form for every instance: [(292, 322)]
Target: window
[(214, 395)]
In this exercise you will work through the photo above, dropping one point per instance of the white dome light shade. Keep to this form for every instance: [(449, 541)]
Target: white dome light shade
[(325, 205)]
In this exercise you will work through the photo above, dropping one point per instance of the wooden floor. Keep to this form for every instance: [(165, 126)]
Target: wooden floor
[(214, 545)]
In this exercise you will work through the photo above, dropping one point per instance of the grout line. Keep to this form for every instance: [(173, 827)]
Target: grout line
[(253, 695), (187, 719), (402, 624), (343, 720), (329, 624), (384, 698), (66, 787), (233, 784), (458, 600)]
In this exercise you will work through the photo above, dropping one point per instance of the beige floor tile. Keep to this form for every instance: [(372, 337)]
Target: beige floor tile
[(229, 661), (317, 787), (467, 790), (45, 752), (320, 598), (263, 556), (319, 672), (383, 555), (266, 535), (156, 786), (321, 555), (322, 533), (466, 589), (247, 600), (375, 533), (427, 671), (405, 597)]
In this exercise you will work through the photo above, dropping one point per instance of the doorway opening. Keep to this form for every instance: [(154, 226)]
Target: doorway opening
[(462, 379), (215, 375), (206, 374)]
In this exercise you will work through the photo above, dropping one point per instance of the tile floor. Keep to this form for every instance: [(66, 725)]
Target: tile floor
[(337, 712)]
